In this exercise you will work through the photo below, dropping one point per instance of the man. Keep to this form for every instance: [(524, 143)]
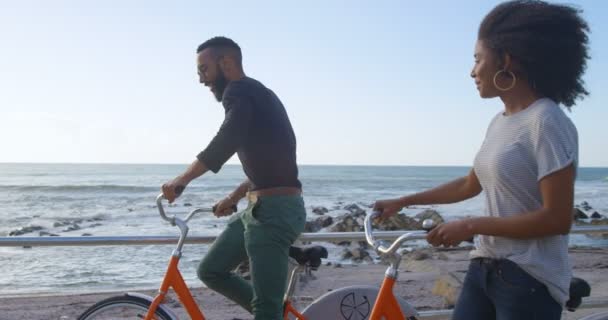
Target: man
[(257, 128)]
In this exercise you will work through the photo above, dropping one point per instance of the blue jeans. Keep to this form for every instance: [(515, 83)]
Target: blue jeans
[(499, 289)]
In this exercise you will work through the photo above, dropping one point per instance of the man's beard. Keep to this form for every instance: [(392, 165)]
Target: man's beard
[(219, 85)]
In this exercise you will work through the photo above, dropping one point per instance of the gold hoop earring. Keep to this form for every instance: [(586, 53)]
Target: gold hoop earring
[(512, 82)]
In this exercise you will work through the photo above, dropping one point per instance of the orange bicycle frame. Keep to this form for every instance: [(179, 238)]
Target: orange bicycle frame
[(173, 278), (386, 305)]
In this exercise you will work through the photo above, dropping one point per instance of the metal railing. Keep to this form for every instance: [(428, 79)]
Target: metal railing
[(164, 240)]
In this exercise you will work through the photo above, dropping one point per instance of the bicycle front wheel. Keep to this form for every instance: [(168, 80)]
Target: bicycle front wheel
[(123, 307)]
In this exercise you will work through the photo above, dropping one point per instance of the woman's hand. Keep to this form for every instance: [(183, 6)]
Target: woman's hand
[(450, 234), (388, 207)]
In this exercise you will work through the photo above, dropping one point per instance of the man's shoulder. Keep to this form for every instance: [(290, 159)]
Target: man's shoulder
[(244, 86)]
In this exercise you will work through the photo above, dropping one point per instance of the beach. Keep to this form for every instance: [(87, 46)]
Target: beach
[(419, 275), (118, 200)]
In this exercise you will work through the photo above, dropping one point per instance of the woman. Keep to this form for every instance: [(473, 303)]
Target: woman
[(532, 55)]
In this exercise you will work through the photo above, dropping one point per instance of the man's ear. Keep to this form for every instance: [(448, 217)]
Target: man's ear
[(227, 63)]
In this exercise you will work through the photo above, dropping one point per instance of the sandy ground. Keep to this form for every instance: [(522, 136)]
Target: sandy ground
[(416, 281)]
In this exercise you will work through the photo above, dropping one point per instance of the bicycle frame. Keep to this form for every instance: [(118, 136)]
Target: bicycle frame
[(386, 305), (289, 308), (173, 279)]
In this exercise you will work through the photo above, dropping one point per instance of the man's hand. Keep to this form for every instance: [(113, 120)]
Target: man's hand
[(225, 207), (450, 234), (388, 207), (174, 188)]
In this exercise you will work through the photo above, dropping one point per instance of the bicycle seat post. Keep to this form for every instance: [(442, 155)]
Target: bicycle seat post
[(293, 279)]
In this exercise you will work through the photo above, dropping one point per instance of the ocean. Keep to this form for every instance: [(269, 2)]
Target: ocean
[(119, 200)]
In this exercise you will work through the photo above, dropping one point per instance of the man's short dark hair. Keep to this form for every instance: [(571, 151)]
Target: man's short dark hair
[(549, 41), (222, 46)]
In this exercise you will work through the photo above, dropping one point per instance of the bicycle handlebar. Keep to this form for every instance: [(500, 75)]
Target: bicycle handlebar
[(161, 210), (410, 235)]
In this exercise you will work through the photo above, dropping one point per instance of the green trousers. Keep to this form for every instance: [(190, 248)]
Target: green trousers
[(263, 234)]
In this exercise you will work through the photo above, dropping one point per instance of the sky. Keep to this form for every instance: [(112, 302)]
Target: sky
[(363, 82)]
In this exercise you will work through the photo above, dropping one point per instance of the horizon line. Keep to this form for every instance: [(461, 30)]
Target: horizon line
[(237, 164)]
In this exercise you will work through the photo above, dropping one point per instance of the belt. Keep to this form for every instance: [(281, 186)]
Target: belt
[(278, 191)]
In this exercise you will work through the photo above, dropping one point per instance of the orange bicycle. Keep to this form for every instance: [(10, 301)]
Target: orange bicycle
[(356, 302), (139, 306), (361, 302)]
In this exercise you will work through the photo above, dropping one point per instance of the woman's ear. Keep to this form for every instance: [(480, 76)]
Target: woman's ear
[(507, 62)]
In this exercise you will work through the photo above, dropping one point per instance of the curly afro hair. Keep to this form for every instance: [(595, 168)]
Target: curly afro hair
[(550, 41)]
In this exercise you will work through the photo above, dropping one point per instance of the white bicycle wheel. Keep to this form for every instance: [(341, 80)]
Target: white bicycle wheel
[(123, 307)]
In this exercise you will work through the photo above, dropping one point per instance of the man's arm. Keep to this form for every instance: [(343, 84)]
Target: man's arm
[(172, 190), (231, 135), (240, 192), (225, 206)]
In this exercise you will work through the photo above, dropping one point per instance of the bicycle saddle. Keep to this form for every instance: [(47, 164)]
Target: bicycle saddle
[(310, 256), (579, 288)]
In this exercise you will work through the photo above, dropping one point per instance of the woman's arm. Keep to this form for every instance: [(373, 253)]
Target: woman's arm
[(553, 218)]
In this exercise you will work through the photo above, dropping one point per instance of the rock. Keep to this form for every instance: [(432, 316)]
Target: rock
[(357, 254), (86, 234), (60, 224), (187, 204), (596, 215), (44, 233), (430, 214), (318, 224), (578, 214), (320, 210), (448, 286), (24, 230), (348, 224), (73, 227), (412, 265), (398, 222), (586, 206), (355, 209), (419, 255)]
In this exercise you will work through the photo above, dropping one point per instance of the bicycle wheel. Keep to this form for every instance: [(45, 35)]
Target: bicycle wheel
[(122, 307)]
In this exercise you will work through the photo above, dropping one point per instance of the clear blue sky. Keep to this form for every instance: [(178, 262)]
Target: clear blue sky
[(364, 82)]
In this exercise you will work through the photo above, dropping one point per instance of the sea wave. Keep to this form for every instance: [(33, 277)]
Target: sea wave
[(79, 188)]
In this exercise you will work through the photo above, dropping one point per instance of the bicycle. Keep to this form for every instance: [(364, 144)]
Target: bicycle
[(140, 306), (356, 302), (381, 303)]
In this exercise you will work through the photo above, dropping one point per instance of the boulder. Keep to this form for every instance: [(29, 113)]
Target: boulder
[(430, 214), (578, 214), (319, 210), (24, 230), (448, 286), (348, 223), (355, 209), (398, 222), (318, 224)]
